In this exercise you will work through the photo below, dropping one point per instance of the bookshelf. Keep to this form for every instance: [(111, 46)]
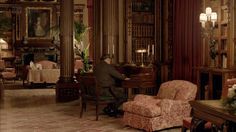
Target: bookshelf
[(211, 80), (140, 28), (224, 34)]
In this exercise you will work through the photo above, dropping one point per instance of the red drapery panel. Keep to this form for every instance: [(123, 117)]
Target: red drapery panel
[(186, 40)]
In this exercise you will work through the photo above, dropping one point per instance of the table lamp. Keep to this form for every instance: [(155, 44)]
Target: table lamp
[(142, 51)]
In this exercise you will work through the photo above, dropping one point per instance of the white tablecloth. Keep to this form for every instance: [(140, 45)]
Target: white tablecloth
[(44, 75)]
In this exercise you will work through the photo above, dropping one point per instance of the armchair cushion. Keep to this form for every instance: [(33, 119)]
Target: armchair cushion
[(146, 109), (176, 107)]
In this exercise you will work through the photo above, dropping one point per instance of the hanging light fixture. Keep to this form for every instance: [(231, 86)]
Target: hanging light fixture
[(208, 16)]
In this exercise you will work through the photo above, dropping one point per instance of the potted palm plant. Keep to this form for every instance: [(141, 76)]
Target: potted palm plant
[(79, 50), (80, 30)]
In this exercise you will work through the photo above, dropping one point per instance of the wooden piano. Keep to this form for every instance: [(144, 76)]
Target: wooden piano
[(141, 78)]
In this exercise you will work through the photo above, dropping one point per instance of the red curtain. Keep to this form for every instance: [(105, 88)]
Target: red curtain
[(186, 40)]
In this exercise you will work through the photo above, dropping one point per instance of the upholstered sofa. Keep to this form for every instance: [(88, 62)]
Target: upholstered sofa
[(165, 110)]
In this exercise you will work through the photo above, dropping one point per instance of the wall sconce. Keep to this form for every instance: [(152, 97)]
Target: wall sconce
[(208, 16)]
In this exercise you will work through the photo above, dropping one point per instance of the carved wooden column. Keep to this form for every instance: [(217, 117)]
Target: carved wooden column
[(110, 28), (107, 26), (90, 6), (67, 87)]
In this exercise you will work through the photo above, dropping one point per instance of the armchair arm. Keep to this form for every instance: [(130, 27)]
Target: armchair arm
[(175, 107)]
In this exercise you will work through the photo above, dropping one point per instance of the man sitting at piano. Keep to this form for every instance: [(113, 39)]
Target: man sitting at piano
[(106, 76)]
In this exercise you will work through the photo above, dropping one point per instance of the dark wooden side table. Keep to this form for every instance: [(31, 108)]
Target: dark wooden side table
[(222, 119), (141, 81)]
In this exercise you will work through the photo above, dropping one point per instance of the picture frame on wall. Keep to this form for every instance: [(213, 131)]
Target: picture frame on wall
[(78, 13), (38, 22)]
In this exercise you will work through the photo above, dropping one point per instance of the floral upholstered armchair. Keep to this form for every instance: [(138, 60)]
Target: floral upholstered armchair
[(165, 110)]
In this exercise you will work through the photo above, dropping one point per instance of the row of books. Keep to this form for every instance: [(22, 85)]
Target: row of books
[(143, 18), (143, 6), (142, 30), (142, 43), (225, 15), (224, 31)]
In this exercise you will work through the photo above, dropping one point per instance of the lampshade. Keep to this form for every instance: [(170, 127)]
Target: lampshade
[(203, 17), (213, 16), (208, 11), (141, 51)]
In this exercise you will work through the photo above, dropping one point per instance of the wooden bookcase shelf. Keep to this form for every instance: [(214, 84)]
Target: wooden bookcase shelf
[(224, 34), (141, 28)]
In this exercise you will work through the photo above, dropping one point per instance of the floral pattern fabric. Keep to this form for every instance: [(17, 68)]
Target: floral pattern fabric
[(153, 113)]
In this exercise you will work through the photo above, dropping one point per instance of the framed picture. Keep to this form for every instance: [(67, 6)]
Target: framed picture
[(38, 22), (78, 13)]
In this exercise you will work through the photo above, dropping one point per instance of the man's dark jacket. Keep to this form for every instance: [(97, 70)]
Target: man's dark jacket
[(106, 74)]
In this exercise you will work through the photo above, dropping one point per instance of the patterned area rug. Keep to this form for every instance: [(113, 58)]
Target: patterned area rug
[(35, 110)]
